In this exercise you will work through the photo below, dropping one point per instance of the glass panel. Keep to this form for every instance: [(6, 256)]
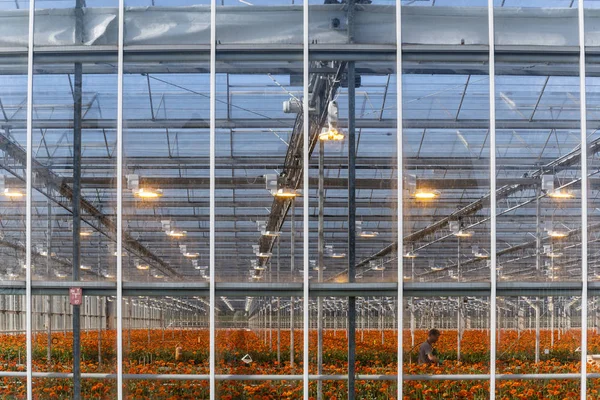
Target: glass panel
[(12, 336), (539, 211), (167, 22), (53, 337), (165, 202), (456, 23), (446, 222), (462, 346), (254, 336), (536, 23), (165, 335)]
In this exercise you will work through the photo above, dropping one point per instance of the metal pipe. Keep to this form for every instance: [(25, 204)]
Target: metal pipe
[(76, 206), (321, 265), (351, 222)]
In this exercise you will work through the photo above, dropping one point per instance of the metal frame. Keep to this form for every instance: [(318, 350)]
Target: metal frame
[(397, 54), (493, 199)]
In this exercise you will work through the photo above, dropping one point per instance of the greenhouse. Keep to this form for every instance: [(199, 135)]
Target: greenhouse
[(282, 199)]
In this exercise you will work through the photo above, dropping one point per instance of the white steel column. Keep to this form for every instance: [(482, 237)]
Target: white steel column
[(29, 177), (584, 196), (305, 166), (399, 194), (211, 300), (492, 94), (119, 300)]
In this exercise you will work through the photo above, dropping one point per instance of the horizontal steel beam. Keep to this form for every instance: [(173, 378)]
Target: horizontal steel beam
[(285, 289), (257, 123)]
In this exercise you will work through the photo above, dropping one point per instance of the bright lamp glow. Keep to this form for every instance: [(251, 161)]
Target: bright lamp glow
[(561, 195), (158, 275), (85, 233), (338, 255), (285, 193), (410, 254), (463, 234), (148, 193), (176, 234), (331, 135), (369, 234), (191, 255), (554, 254), (426, 194), (557, 234), (85, 267), (143, 267), (271, 233), (481, 255), (13, 193), (264, 255)]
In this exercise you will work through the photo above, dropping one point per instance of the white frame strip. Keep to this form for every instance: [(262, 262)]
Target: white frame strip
[(584, 196), (492, 155), (213, 53), (400, 199), (28, 178), (119, 246), (305, 198)]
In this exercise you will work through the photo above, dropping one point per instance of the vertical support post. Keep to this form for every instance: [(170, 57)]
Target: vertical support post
[(49, 328), (538, 231), (537, 330), (351, 222), (293, 300), (320, 264), (584, 198), (551, 310), (76, 206), (492, 172), (458, 327)]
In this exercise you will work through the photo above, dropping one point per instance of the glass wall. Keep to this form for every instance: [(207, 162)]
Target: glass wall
[(243, 199)]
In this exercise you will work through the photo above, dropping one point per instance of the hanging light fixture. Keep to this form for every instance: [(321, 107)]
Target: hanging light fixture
[(338, 255), (176, 233), (271, 233), (285, 193), (332, 133), (85, 267), (426, 194), (13, 193), (142, 267), (561, 195), (557, 234), (147, 193)]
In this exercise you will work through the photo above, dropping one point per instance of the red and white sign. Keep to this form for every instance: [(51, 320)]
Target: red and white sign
[(75, 296)]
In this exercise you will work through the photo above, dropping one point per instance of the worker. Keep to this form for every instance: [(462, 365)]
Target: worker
[(427, 354)]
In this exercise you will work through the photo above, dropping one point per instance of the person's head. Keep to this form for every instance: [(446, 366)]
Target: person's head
[(433, 335)]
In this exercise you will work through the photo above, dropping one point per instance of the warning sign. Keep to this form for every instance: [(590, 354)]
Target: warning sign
[(75, 296)]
